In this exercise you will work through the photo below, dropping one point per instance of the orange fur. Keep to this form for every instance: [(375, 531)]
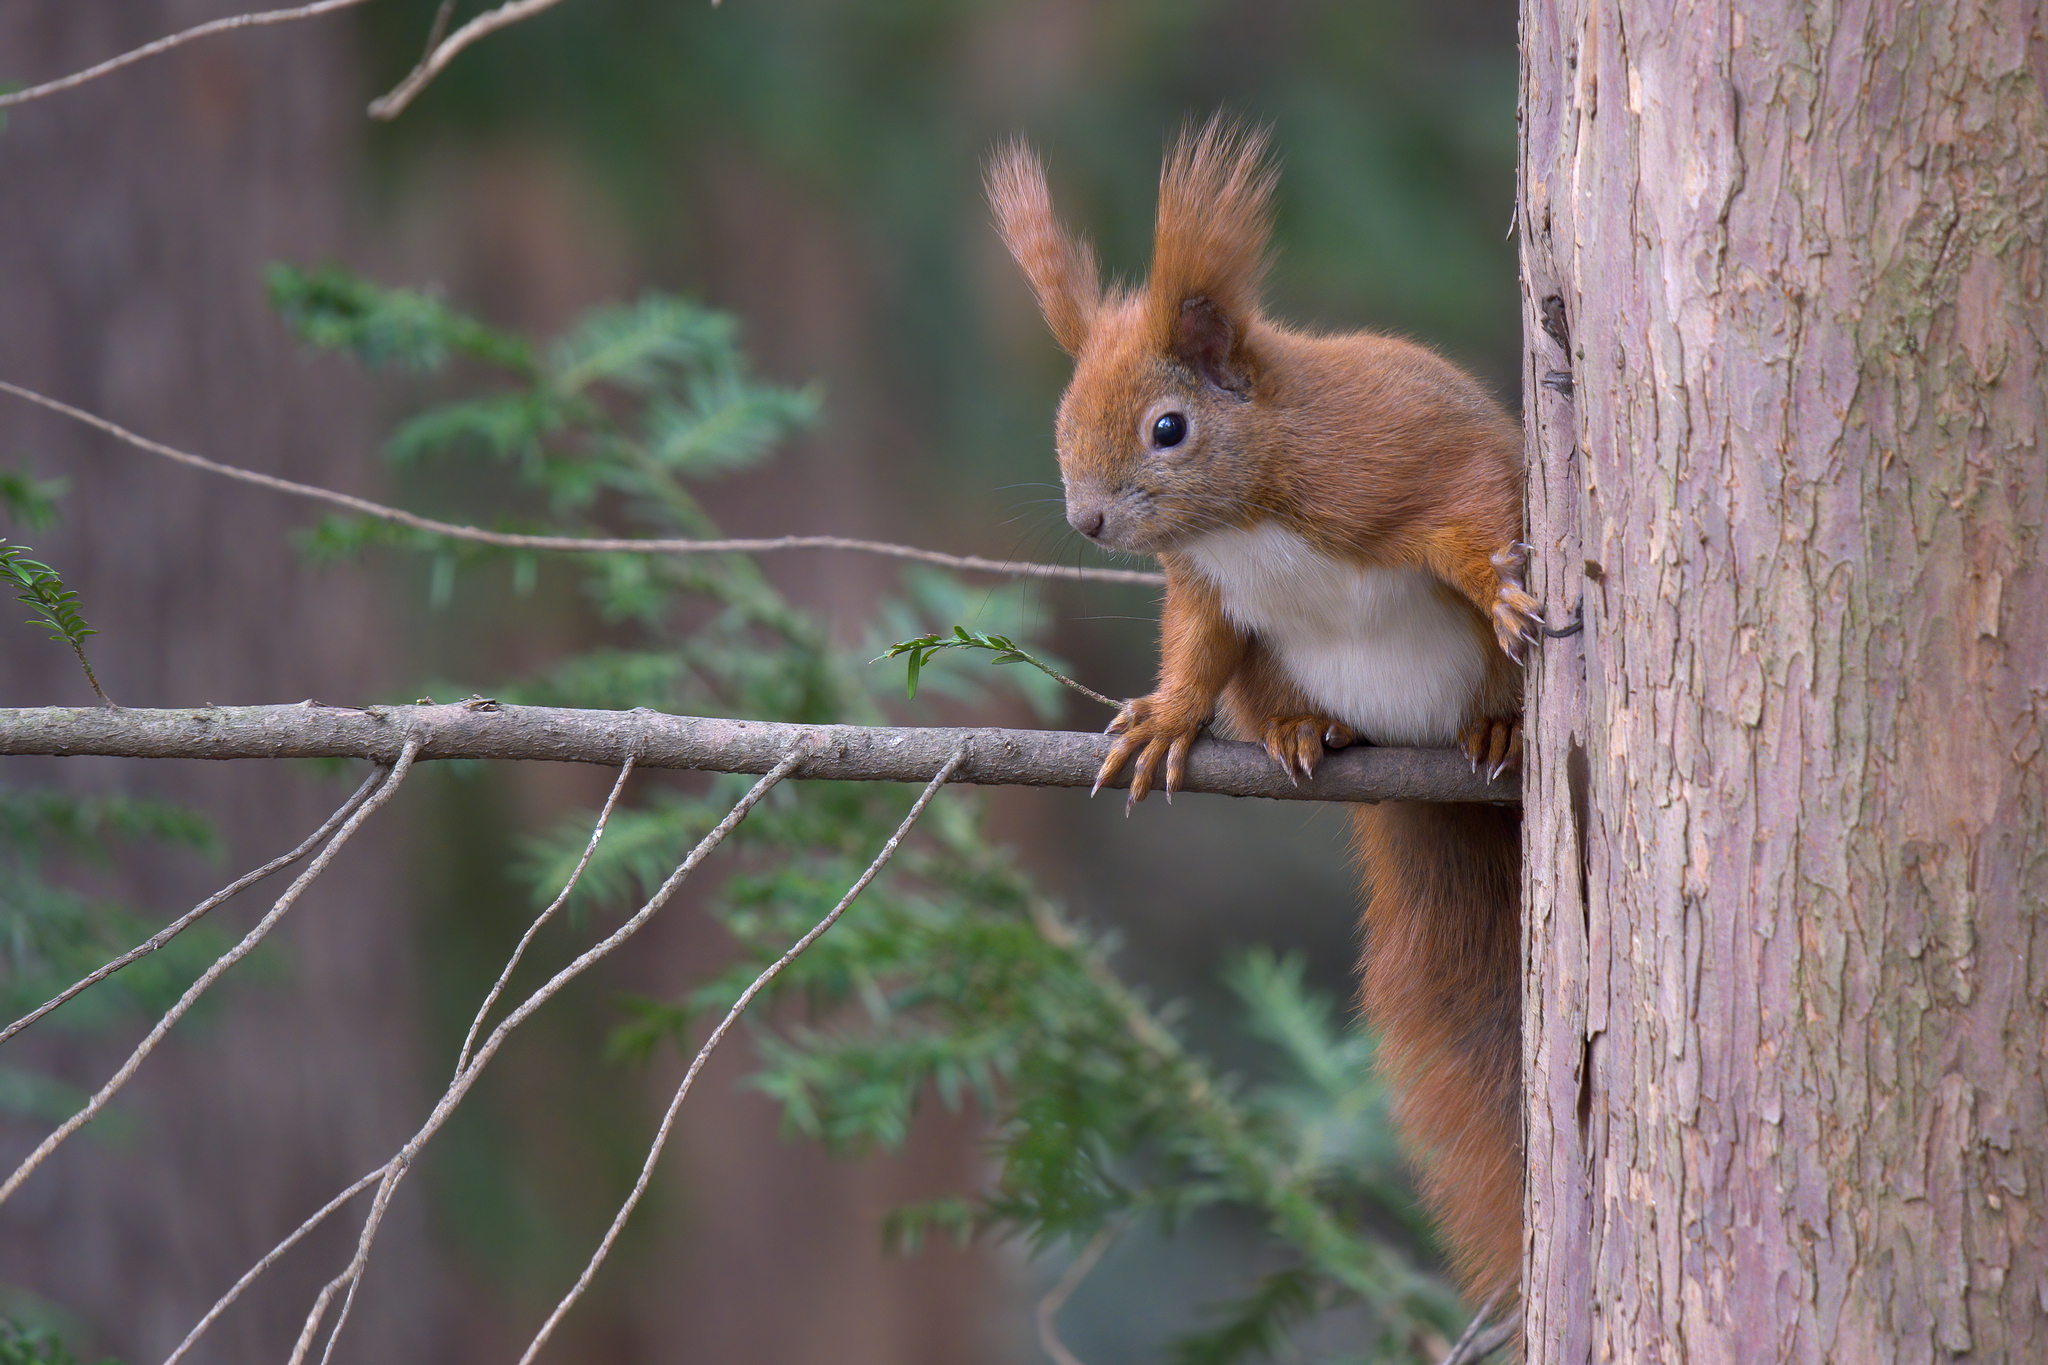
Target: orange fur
[(1215, 218), (1363, 462), (1060, 266)]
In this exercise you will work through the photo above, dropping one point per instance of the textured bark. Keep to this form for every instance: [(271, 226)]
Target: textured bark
[(859, 753), (1787, 992)]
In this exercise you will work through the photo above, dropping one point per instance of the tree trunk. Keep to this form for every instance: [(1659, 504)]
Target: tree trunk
[(140, 210), (1787, 993)]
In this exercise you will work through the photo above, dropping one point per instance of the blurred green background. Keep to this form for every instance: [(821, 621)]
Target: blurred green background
[(813, 167)]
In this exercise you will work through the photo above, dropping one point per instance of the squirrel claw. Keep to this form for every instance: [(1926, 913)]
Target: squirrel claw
[(1297, 743), (1515, 613), (1515, 617), (1494, 742), (1148, 731)]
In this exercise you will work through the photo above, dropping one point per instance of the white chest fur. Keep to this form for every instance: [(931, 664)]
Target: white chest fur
[(1387, 651)]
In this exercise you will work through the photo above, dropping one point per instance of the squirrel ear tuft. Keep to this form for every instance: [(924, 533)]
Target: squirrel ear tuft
[(1060, 266), (1209, 251)]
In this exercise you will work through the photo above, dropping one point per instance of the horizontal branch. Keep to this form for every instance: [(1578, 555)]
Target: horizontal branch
[(513, 540), (653, 739)]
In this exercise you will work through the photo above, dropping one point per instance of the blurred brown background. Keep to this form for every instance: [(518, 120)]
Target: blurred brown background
[(812, 166)]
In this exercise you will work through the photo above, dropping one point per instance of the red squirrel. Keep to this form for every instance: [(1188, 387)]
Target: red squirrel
[(1338, 518)]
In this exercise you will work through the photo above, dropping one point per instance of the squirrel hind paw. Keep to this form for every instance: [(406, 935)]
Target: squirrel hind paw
[(1516, 615), (1297, 743), (1149, 732), (1494, 744), (1512, 560), (1516, 618)]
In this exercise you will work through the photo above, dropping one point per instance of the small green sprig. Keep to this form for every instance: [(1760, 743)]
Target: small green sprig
[(38, 585), (921, 650)]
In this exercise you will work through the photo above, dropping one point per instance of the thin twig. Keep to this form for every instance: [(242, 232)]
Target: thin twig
[(92, 678), (190, 917), (275, 16), (318, 1312), (395, 1170), (392, 105), (1470, 1345), (498, 987), (1111, 702), (581, 544), (1486, 1344), (732, 1015), (249, 1276), (213, 973), (438, 29), (1070, 1280)]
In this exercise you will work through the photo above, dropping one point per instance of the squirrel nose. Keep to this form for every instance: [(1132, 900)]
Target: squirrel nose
[(1086, 520)]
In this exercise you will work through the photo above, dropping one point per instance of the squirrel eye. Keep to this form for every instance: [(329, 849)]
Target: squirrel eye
[(1169, 430)]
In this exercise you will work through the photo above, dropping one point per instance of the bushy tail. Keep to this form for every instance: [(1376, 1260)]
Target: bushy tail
[(1442, 988)]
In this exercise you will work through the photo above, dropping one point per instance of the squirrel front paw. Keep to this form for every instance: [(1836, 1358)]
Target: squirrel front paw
[(1156, 727), (1516, 614), (1297, 742), (1495, 742)]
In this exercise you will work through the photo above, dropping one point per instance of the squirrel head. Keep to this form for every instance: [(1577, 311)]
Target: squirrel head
[(1160, 429)]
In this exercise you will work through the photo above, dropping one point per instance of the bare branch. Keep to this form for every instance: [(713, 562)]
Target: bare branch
[(392, 105), (179, 39), (1495, 1337), (856, 753), (191, 917), (1056, 1298), (439, 28), (739, 1006), (497, 988), (249, 1276), (395, 1170), (583, 544), (213, 973), (1477, 1341)]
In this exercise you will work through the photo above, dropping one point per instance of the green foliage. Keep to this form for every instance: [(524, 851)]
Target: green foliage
[(953, 980), (1396, 120), (330, 307), (50, 934), (20, 1345), (34, 823), (37, 585), (924, 648), (29, 500), (1255, 1326)]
